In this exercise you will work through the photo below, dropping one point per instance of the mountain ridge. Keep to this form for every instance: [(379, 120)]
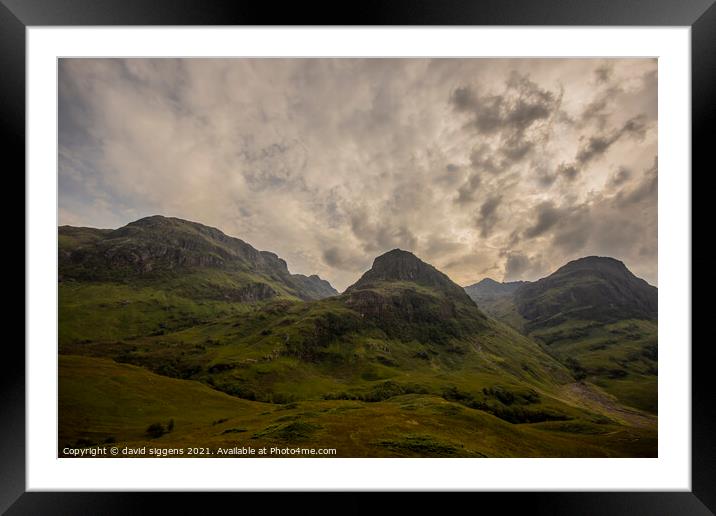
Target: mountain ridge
[(157, 246), (190, 304), (602, 286)]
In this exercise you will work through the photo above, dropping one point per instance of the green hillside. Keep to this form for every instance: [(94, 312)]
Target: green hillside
[(103, 403), (595, 317), (379, 339), (160, 274), (165, 320)]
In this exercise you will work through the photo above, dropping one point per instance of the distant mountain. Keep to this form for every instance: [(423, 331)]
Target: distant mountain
[(313, 287), (156, 249), (489, 289)]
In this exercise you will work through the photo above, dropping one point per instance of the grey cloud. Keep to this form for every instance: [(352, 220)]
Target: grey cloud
[(573, 230), (485, 110), (645, 190), (488, 215), (515, 266), (546, 180), (596, 110), (515, 148), (597, 146), (482, 158), (601, 108), (619, 177), (521, 104), (463, 98), (441, 246), (547, 216), (510, 117), (275, 165), (541, 173), (344, 259), (568, 170), (379, 237), (603, 73), (519, 266), (466, 193), (332, 256), (329, 162), (533, 103)]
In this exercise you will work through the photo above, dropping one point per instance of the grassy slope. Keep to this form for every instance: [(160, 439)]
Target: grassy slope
[(499, 372), (227, 264), (108, 311), (287, 351), (101, 311), (100, 399), (620, 357), (278, 353)]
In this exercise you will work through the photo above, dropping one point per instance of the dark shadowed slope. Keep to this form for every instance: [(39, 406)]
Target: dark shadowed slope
[(595, 288)]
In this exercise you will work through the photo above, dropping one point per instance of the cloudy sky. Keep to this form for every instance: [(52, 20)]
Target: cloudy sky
[(502, 168)]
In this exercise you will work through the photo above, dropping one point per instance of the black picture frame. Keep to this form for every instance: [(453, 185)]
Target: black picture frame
[(17, 15)]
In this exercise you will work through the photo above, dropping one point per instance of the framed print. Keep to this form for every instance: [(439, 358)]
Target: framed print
[(443, 249)]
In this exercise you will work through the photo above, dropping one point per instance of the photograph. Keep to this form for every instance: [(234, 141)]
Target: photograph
[(348, 257)]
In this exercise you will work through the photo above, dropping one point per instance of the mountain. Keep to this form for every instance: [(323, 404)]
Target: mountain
[(491, 296), (162, 274), (403, 362), (409, 298), (402, 266), (594, 288), (491, 289), (313, 287), (159, 248), (597, 318), (403, 328)]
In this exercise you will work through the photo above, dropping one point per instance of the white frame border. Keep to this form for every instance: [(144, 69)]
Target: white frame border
[(671, 471)]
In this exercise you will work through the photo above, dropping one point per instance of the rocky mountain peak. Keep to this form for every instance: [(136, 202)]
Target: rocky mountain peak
[(403, 266), (594, 287)]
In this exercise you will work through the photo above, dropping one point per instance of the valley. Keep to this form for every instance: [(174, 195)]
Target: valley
[(169, 320)]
